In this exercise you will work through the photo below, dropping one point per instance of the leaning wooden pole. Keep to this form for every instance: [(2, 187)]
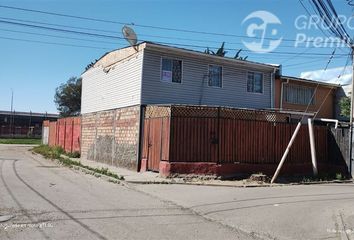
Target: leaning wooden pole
[(286, 152), (313, 148)]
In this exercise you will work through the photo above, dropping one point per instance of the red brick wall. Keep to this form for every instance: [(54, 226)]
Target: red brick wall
[(112, 136)]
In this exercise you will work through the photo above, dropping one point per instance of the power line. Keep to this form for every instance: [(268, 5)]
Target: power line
[(337, 81), (52, 43), (139, 25), (56, 36), (146, 35), (159, 42)]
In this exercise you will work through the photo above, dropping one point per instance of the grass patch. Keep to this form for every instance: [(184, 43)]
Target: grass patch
[(75, 154), (57, 152), (324, 177), (32, 141)]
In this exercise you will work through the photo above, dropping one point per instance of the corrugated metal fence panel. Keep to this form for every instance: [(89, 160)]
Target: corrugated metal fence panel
[(52, 133), (76, 135), (66, 133)]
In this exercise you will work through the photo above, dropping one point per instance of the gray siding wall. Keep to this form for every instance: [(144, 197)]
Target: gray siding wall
[(194, 88), (120, 87)]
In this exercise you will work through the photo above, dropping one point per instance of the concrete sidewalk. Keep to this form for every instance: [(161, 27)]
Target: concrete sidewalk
[(154, 178), (129, 175)]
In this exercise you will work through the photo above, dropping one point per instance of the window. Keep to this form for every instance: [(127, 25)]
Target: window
[(255, 82), (171, 70), (215, 76), (296, 94)]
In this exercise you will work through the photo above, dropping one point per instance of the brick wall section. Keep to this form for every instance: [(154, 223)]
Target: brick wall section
[(112, 136)]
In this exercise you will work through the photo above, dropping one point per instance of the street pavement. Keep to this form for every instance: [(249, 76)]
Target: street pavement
[(48, 201)]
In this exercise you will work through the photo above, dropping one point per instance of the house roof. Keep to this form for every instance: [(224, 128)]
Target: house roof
[(153, 45), (161, 47), (310, 81)]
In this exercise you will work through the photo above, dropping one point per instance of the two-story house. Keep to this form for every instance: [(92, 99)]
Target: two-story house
[(121, 81), (303, 95)]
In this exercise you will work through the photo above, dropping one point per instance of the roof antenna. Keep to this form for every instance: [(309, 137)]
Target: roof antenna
[(130, 36)]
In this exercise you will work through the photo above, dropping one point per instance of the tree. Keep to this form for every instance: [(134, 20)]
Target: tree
[(237, 56), (67, 97), (221, 52), (344, 105)]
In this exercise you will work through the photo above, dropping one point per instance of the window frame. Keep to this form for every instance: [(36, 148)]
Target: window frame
[(222, 75), (313, 102), (170, 58), (262, 73)]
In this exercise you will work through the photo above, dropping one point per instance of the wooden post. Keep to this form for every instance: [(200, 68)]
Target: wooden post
[(286, 152), (313, 148)]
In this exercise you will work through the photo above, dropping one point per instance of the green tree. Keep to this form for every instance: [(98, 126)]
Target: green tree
[(344, 105), (221, 52), (67, 97)]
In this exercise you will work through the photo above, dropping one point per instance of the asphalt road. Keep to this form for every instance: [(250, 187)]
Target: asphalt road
[(53, 202)]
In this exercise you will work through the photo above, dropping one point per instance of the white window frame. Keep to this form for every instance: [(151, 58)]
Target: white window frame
[(262, 82), (313, 102), (170, 58), (222, 75)]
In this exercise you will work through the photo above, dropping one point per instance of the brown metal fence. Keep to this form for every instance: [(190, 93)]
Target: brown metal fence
[(226, 135)]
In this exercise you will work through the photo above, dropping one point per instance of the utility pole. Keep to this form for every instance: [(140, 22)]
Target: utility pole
[(11, 112), (351, 119)]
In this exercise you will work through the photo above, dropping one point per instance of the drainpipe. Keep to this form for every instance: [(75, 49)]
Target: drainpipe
[(140, 135), (272, 79), (328, 120), (282, 94)]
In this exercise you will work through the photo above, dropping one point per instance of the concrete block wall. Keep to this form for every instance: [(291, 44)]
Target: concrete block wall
[(112, 136)]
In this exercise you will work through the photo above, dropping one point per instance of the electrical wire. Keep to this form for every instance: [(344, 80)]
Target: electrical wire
[(337, 81), (159, 42), (140, 25), (52, 43), (146, 35)]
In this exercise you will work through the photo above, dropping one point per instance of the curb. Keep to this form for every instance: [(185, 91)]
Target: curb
[(126, 181)]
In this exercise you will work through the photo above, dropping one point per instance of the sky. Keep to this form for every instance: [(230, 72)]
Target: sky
[(33, 64)]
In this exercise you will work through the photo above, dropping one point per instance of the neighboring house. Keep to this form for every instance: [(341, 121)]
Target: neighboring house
[(295, 95), (120, 82)]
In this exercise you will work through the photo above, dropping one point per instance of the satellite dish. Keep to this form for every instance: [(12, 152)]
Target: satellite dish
[(130, 36)]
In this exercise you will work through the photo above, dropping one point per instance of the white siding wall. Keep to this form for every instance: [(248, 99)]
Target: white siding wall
[(194, 84), (120, 87)]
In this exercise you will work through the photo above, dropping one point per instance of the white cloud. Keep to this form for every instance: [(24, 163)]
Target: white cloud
[(331, 76)]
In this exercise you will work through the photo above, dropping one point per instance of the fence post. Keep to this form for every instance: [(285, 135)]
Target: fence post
[(218, 138), (286, 152), (312, 145)]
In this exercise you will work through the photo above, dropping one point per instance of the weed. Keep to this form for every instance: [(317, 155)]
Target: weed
[(56, 152), (339, 176), (75, 154)]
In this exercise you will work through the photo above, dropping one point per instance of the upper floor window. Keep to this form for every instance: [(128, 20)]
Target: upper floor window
[(171, 70), (297, 94), (215, 76), (255, 82)]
